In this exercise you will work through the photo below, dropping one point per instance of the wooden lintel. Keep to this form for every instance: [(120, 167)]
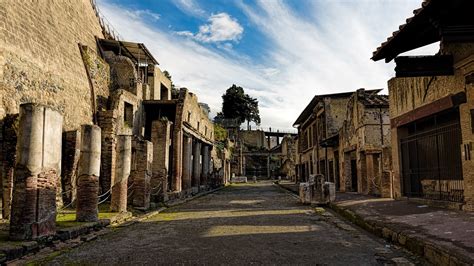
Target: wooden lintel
[(437, 106)]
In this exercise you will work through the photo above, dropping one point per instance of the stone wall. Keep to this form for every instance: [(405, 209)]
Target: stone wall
[(40, 60), (409, 93)]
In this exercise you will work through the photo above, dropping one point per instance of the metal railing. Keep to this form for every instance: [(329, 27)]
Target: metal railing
[(107, 28)]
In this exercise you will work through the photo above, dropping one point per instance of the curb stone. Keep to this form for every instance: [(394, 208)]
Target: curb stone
[(433, 253)]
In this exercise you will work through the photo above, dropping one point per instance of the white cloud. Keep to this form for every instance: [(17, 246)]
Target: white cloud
[(190, 7), (306, 56), (221, 28), (143, 13)]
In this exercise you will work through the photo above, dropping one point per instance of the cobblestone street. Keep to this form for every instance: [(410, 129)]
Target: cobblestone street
[(241, 224)]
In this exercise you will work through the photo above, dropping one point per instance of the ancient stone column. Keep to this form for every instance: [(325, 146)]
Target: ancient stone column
[(196, 182), (142, 174), (187, 162), (176, 177), (8, 141), (205, 164), (118, 202), (71, 152), (161, 138), (37, 170), (88, 175)]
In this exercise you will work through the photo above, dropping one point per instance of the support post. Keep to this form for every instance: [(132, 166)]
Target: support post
[(122, 172), (187, 162), (196, 164), (161, 138), (37, 171), (142, 174), (88, 174), (205, 164)]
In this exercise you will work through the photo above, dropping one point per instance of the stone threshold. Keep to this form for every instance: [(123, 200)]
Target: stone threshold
[(85, 232)]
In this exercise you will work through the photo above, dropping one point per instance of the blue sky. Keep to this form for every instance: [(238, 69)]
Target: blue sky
[(282, 52)]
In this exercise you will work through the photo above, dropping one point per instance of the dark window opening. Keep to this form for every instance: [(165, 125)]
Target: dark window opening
[(128, 114)]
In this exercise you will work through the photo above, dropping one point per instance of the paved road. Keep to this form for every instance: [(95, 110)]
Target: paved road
[(242, 224)]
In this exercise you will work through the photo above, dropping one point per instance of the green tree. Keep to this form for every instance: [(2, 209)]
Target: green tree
[(236, 104), (220, 134)]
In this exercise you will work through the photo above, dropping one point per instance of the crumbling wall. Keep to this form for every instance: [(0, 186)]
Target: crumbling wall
[(40, 60), (198, 120), (253, 138), (335, 110)]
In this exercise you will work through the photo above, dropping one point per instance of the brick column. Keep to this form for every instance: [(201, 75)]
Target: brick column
[(107, 121), (70, 159), (196, 180), (205, 164), (161, 138), (88, 175), (8, 156), (370, 177), (36, 173), (142, 174), (122, 172), (187, 162), (176, 177)]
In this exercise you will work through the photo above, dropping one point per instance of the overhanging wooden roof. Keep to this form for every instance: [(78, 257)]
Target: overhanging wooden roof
[(137, 52), (435, 20)]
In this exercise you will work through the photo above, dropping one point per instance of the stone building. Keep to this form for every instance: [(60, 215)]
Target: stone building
[(364, 145), (432, 103), (63, 72), (318, 136), (289, 153), (183, 136)]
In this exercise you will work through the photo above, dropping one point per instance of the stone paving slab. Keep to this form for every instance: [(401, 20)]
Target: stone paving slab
[(240, 225)]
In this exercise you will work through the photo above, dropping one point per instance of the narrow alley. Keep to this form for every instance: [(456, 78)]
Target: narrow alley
[(240, 224)]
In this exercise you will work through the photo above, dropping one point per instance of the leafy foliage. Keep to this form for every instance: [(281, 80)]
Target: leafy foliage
[(237, 104), (220, 134)]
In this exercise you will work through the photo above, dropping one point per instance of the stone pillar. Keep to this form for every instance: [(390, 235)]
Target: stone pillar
[(370, 177), (268, 166), (142, 174), (71, 151), (122, 172), (8, 142), (36, 173), (161, 138), (107, 121), (88, 174), (187, 162), (176, 177), (205, 164), (196, 164)]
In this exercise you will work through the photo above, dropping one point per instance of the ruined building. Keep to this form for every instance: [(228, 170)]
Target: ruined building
[(86, 118), (259, 153), (345, 138), (431, 105), (289, 152), (318, 136), (364, 145)]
